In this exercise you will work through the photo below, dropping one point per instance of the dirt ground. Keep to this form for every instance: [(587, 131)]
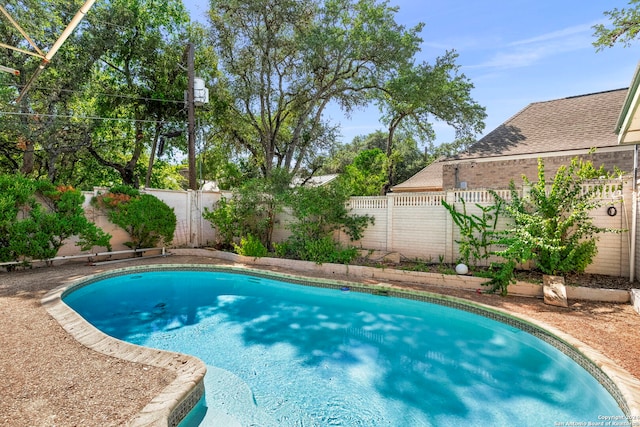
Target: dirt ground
[(48, 379)]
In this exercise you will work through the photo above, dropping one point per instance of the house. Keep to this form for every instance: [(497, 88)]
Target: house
[(555, 131), (628, 132), (315, 181), (628, 126)]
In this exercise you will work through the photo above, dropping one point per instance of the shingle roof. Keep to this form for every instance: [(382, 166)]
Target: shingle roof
[(428, 179), (573, 123), (577, 122)]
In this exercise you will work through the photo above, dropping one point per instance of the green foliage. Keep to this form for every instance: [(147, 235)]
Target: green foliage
[(224, 218), (320, 250), (418, 93), (625, 25), (366, 175), (476, 232), (553, 226), (36, 218), (251, 210), (502, 275), (137, 63), (124, 189), (147, 219), (286, 69), (319, 211), (251, 246)]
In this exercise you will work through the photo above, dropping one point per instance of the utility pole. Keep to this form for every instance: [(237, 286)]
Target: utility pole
[(191, 114)]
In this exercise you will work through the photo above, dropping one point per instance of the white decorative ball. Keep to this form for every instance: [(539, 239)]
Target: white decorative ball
[(462, 269)]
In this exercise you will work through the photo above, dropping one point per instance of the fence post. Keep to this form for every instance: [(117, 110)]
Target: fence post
[(389, 240), (449, 256)]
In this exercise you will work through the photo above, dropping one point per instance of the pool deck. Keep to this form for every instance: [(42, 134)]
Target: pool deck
[(166, 384)]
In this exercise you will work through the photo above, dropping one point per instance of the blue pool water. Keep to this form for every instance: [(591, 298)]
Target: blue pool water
[(280, 354)]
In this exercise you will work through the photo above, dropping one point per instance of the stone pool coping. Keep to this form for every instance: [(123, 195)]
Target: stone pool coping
[(175, 401)]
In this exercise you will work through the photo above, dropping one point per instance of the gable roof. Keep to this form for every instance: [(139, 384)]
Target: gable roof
[(315, 181), (576, 122), (628, 127), (428, 179)]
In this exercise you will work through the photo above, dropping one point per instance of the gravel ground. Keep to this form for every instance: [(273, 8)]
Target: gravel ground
[(48, 379)]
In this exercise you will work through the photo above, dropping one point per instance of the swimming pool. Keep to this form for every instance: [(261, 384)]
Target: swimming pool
[(284, 354)]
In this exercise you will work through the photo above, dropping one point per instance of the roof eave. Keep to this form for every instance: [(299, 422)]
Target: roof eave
[(628, 126)]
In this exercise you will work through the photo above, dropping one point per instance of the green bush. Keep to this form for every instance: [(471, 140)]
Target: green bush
[(319, 251), (225, 219), (36, 218), (147, 219), (250, 211), (318, 212), (477, 233), (251, 246), (551, 226)]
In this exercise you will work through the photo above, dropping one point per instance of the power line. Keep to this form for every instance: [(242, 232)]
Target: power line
[(113, 95), (64, 116)]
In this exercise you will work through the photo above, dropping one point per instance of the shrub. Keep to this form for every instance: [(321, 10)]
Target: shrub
[(320, 250), (36, 218), (477, 233), (251, 210), (251, 246), (147, 219), (553, 226), (227, 223), (319, 211)]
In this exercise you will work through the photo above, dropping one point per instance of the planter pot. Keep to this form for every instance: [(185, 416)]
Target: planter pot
[(555, 293)]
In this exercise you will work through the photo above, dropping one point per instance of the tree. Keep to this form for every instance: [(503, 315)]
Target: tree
[(38, 124), (418, 94), (339, 158), (625, 25), (367, 174), (251, 211), (144, 64), (121, 65), (283, 61)]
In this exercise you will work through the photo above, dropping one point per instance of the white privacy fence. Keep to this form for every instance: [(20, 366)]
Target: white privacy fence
[(415, 225), (192, 230)]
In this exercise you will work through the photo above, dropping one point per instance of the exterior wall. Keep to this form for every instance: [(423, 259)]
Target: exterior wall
[(614, 248), (486, 173), (637, 237), (375, 236)]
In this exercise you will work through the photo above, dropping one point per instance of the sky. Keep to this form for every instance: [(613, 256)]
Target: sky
[(515, 52)]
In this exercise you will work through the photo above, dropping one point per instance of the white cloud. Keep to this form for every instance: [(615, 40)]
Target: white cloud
[(559, 35), (528, 52)]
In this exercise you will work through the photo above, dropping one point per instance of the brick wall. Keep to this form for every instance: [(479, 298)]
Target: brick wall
[(498, 174)]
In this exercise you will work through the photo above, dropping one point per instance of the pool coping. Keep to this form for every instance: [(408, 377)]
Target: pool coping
[(175, 401)]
